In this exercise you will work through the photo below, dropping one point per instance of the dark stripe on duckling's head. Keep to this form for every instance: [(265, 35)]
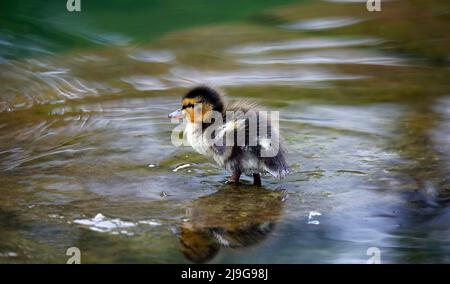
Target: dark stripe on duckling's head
[(204, 95)]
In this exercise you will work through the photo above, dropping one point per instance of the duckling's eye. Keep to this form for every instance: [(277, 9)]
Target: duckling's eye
[(189, 105)]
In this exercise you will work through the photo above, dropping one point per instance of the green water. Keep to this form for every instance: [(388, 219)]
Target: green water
[(86, 158), (40, 27)]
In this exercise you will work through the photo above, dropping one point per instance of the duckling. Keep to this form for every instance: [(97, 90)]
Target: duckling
[(237, 136)]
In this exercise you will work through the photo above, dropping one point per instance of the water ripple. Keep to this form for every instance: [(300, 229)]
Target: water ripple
[(24, 84), (158, 56), (187, 77), (330, 57), (309, 43), (322, 23), (145, 83)]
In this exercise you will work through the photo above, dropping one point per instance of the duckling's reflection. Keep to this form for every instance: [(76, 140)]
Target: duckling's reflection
[(232, 217)]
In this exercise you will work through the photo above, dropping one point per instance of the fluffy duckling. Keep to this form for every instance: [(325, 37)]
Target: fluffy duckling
[(238, 136)]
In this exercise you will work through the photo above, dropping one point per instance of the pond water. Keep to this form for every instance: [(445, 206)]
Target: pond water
[(86, 158)]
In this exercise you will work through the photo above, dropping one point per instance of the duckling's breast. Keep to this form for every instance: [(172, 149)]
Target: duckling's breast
[(194, 136)]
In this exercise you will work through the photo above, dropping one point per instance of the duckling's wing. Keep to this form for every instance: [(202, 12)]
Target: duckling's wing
[(225, 135), (243, 105), (247, 138)]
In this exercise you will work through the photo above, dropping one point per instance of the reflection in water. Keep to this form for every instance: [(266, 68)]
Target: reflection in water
[(235, 217), (424, 181)]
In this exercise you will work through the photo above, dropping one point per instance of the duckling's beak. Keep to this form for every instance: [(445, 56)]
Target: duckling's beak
[(178, 114)]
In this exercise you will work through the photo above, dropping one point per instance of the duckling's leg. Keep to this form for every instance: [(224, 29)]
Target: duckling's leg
[(257, 179), (234, 178)]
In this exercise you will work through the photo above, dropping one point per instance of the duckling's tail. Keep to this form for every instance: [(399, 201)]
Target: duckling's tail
[(277, 166)]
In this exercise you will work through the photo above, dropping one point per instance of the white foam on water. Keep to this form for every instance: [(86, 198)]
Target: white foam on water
[(181, 167), (55, 216), (115, 226), (311, 215), (8, 254), (101, 223), (150, 222)]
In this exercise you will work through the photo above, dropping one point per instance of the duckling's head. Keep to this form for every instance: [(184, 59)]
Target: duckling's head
[(198, 103)]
